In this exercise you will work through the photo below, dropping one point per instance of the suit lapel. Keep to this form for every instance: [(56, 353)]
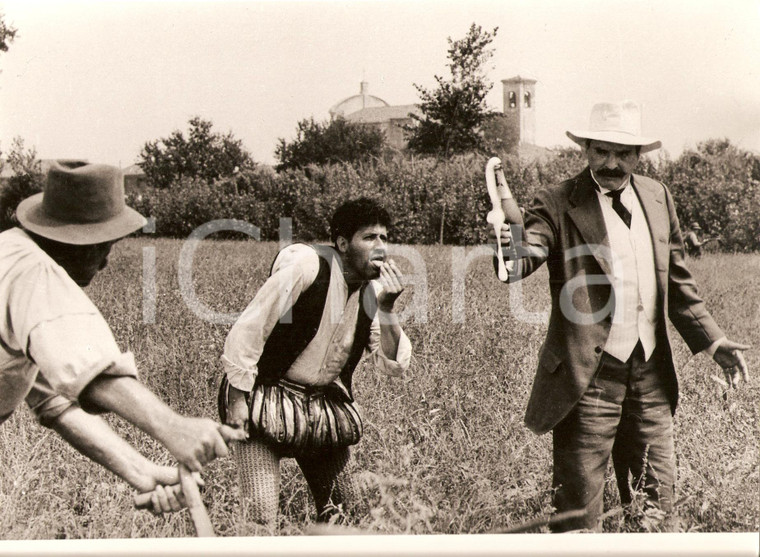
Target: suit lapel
[(586, 213), (652, 200)]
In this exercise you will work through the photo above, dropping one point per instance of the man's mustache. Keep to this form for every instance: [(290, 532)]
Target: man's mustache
[(611, 172)]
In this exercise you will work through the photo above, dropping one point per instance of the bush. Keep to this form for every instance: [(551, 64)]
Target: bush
[(15, 190), (717, 186), (435, 200), (319, 143)]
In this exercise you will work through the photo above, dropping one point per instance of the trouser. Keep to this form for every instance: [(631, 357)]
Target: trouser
[(334, 488), (625, 406)]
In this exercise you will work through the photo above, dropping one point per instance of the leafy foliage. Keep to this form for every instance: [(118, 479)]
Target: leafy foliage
[(445, 201), (203, 155), (7, 34), (718, 186), (27, 179), (454, 113), (499, 134), (329, 142)]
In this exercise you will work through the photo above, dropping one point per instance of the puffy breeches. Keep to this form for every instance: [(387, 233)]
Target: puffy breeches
[(334, 488)]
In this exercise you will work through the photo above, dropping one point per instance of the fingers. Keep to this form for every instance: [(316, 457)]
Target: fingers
[(193, 462), (220, 446), (731, 377), (743, 367), (232, 433), (198, 479), (390, 276), (505, 234), (737, 368), (165, 499)]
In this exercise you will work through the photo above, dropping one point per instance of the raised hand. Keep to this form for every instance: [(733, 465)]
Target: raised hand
[(390, 279)]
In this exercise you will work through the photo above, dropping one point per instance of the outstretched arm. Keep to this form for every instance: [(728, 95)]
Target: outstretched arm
[(193, 441), (91, 436)]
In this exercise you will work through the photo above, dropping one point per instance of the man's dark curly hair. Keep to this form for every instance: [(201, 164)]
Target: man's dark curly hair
[(355, 214)]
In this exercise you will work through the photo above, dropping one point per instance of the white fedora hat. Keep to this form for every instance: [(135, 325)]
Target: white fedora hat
[(616, 123), (80, 204)]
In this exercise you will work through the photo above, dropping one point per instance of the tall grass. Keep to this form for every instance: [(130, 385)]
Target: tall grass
[(445, 449)]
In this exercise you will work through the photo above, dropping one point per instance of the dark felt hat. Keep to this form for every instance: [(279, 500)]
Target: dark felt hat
[(80, 204)]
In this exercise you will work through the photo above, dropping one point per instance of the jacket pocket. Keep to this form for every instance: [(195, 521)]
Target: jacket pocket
[(549, 360)]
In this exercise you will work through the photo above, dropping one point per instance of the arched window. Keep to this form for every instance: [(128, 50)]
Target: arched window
[(527, 99), (512, 99)]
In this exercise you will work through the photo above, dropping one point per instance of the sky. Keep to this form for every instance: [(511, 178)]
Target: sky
[(96, 80)]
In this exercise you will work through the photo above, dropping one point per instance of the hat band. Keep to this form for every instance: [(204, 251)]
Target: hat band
[(78, 211)]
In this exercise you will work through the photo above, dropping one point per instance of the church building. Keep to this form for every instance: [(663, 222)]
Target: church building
[(519, 108)]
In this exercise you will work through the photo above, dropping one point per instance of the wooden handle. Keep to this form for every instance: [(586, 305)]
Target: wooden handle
[(195, 506), (198, 513)]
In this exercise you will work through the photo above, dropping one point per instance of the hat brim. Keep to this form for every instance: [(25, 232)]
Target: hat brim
[(646, 143), (29, 213)]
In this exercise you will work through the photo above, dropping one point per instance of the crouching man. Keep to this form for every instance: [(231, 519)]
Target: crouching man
[(290, 357)]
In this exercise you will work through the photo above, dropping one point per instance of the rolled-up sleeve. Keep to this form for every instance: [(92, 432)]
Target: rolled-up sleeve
[(394, 367), (45, 403), (72, 350), (294, 270), (61, 331)]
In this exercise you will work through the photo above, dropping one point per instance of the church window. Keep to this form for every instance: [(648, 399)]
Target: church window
[(512, 99), (527, 99)]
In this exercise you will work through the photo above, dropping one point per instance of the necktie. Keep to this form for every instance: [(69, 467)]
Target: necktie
[(620, 209)]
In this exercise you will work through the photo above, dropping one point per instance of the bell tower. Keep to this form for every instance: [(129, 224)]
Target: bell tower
[(520, 107)]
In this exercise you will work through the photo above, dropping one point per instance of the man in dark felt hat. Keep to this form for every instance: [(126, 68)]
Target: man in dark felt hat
[(606, 383), (58, 353)]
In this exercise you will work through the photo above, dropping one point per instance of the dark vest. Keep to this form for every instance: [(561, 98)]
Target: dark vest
[(292, 334)]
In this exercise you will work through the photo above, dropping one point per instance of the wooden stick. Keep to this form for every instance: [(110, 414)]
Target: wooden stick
[(195, 506), (198, 513), (538, 522)]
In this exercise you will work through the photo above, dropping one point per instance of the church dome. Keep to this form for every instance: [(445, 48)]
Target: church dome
[(357, 102)]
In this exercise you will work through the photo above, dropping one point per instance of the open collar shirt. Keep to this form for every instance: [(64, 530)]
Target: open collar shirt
[(294, 270), (48, 327)]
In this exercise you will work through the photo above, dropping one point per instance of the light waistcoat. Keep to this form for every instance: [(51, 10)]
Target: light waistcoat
[(634, 282)]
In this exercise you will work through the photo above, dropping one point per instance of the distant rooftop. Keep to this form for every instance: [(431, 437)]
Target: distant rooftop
[(379, 114), (133, 170), (357, 102)]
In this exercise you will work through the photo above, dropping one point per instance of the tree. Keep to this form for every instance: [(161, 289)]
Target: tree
[(27, 179), (716, 186), (454, 114), (499, 134), (203, 155), (7, 34), (329, 142)]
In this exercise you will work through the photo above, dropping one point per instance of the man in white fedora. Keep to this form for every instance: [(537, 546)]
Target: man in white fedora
[(58, 353), (605, 377)]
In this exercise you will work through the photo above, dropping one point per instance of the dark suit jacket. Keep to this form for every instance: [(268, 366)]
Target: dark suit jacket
[(565, 228)]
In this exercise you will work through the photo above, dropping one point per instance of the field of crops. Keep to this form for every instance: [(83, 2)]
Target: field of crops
[(445, 450)]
